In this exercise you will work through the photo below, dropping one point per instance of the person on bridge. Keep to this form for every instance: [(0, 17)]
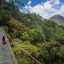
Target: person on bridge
[(4, 40)]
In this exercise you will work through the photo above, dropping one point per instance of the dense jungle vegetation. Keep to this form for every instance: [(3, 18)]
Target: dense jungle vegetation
[(43, 39)]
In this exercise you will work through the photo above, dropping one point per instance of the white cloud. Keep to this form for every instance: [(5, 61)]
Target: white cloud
[(62, 9), (47, 5), (29, 2), (37, 8), (46, 9), (55, 2)]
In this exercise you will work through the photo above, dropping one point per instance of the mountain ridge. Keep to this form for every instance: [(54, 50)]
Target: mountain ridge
[(58, 19)]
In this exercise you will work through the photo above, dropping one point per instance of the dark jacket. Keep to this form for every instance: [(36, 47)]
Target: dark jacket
[(3, 39)]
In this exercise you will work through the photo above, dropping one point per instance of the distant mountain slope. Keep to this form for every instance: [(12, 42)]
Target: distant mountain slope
[(58, 18)]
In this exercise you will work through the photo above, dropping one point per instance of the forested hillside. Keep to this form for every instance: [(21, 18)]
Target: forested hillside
[(43, 39)]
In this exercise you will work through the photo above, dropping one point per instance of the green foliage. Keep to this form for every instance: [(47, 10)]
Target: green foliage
[(19, 50), (4, 17), (49, 51), (59, 35), (43, 39), (18, 45), (49, 29), (35, 35)]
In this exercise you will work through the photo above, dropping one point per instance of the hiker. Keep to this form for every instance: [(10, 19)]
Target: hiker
[(4, 40)]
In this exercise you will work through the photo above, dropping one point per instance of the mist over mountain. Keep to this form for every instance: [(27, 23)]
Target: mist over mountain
[(58, 18)]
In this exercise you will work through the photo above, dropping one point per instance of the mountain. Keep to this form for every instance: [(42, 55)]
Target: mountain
[(58, 18)]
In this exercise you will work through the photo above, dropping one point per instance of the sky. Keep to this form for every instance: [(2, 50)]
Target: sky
[(45, 8)]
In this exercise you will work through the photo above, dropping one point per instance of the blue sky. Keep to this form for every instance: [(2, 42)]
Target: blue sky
[(45, 8), (34, 2)]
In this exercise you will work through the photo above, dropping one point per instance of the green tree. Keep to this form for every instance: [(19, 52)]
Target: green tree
[(49, 52), (49, 28), (4, 17)]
